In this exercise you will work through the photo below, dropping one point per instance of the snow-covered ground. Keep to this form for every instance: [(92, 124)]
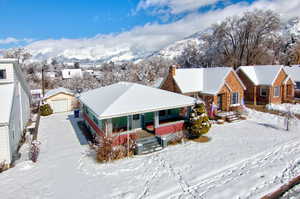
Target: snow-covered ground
[(246, 159), (295, 108)]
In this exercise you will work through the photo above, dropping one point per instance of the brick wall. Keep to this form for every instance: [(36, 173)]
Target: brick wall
[(170, 85), (249, 92)]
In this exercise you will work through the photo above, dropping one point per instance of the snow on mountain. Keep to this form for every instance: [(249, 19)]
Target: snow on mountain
[(174, 50), (102, 49), (292, 27)]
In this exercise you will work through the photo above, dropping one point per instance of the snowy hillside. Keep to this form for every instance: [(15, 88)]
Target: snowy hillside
[(101, 50)]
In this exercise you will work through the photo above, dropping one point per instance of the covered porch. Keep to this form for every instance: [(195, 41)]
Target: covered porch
[(157, 123)]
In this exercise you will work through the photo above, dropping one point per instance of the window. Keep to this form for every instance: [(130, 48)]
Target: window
[(95, 120), (297, 85), (235, 98), (263, 92), (136, 117), (276, 91), (162, 113), (2, 74)]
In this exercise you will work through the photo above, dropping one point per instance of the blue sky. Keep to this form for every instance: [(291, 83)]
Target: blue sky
[(38, 20), (117, 25)]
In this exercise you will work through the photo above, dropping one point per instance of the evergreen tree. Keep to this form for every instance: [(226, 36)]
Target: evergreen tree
[(199, 122)]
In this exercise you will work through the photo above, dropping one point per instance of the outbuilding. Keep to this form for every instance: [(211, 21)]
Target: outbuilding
[(61, 100)]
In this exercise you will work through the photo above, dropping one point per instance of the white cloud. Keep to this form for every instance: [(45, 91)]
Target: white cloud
[(12, 40), (176, 6), (153, 36), (8, 40)]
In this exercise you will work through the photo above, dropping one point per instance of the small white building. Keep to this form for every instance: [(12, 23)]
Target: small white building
[(71, 73), (61, 100), (15, 103), (51, 75)]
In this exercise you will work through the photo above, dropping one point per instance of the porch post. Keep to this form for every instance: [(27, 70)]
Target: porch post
[(129, 122), (270, 94), (156, 119), (255, 95), (108, 127)]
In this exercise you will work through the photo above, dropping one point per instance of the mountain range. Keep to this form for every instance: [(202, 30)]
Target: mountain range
[(95, 50)]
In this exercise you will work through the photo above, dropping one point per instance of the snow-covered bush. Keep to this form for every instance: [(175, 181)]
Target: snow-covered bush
[(199, 123)]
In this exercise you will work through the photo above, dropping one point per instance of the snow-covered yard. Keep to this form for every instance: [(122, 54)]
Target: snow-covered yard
[(294, 108), (246, 159)]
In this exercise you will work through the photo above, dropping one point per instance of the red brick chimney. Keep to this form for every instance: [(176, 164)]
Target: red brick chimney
[(172, 70)]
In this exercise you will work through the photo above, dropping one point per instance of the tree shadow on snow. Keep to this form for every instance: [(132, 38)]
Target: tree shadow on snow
[(81, 138)]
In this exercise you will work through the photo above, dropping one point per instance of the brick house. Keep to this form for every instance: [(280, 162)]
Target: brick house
[(294, 73), (220, 86), (266, 84)]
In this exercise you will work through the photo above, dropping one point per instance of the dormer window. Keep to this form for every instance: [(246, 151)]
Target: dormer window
[(2, 74)]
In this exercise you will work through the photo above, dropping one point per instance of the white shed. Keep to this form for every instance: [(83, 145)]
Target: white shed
[(15, 108), (71, 73)]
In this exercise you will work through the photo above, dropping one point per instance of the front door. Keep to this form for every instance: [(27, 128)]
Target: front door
[(220, 102)]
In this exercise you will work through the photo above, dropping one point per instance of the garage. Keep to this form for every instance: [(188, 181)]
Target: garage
[(59, 106), (61, 100)]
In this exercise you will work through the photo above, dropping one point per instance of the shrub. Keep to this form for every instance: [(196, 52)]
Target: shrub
[(45, 110), (199, 123), (177, 139), (106, 151), (34, 151), (3, 166)]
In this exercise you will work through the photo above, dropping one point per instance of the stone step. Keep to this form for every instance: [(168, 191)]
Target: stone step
[(151, 150)]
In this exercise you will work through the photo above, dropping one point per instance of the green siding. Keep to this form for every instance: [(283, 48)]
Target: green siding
[(93, 117), (175, 112), (149, 117), (119, 122)]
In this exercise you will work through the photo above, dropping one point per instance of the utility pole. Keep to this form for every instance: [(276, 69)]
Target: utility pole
[(43, 83)]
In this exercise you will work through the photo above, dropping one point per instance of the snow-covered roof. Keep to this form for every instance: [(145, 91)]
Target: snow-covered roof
[(6, 99), (293, 72), (56, 91), (126, 98), (205, 80), (8, 60), (71, 73), (262, 74)]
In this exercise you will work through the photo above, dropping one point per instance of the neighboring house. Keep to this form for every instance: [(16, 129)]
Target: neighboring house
[(128, 108), (90, 72), (51, 75), (220, 86), (61, 100), (15, 111), (294, 73), (266, 84), (71, 73)]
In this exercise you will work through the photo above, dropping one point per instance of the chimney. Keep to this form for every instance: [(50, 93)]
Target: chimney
[(172, 70)]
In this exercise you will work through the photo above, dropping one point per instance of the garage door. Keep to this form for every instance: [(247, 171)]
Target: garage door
[(60, 106)]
